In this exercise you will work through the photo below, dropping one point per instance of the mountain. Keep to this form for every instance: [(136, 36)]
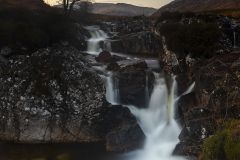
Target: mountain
[(25, 4), (199, 5), (121, 9)]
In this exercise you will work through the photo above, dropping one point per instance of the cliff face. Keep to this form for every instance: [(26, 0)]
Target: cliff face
[(199, 5)]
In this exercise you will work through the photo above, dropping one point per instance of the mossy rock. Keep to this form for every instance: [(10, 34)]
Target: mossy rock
[(63, 157), (213, 147), (225, 144), (232, 145)]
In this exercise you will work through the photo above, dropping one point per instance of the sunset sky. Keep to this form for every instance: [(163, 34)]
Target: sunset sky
[(146, 3)]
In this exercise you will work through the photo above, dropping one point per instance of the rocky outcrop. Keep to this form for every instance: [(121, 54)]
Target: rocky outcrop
[(142, 43), (214, 100), (53, 96), (134, 82), (44, 98)]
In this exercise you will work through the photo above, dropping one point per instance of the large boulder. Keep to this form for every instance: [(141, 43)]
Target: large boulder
[(125, 134), (50, 96), (104, 57), (135, 83), (53, 97)]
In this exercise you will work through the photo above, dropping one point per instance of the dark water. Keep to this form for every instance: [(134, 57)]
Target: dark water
[(55, 152)]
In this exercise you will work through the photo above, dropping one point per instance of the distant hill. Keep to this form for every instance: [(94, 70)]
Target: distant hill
[(121, 9), (118, 9), (24, 4), (199, 6)]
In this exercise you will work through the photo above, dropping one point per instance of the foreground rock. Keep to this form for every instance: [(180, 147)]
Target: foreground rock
[(125, 130), (52, 97)]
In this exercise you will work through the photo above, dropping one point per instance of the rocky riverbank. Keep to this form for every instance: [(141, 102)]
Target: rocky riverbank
[(53, 96)]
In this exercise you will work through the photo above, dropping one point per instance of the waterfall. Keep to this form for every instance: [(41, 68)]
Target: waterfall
[(98, 41), (234, 40), (112, 90), (157, 120), (158, 123), (146, 89)]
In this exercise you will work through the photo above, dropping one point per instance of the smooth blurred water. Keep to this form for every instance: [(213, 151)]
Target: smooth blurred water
[(158, 123), (98, 36)]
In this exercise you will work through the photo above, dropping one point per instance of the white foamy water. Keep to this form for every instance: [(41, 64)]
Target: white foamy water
[(98, 36), (157, 120), (158, 123), (234, 40), (112, 90)]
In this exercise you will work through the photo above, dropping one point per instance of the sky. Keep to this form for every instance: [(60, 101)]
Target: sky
[(145, 3)]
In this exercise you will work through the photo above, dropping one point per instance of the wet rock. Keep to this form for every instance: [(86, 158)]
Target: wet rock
[(188, 149), (117, 46), (134, 81), (116, 58), (125, 139), (125, 134), (113, 66), (53, 96), (142, 43), (187, 102), (104, 57)]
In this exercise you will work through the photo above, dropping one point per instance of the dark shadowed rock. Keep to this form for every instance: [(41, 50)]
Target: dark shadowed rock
[(125, 134), (134, 79), (125, 139), (189, 149), (104, 57), (113, 66)]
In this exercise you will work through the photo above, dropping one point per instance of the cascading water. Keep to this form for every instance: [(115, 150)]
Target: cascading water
[(112, 90), (158, 123), (235, 37), (98, 41), (97, 37)]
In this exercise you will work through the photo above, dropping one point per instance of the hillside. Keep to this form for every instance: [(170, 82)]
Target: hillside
[(121, 9), (25, 4), (200, 5)]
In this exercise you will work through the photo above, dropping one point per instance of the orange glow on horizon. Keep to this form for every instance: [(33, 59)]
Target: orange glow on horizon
[(145, 3)]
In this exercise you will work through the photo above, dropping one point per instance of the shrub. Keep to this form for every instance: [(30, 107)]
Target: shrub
[(213, 147), (225, 144), (232, 145)]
